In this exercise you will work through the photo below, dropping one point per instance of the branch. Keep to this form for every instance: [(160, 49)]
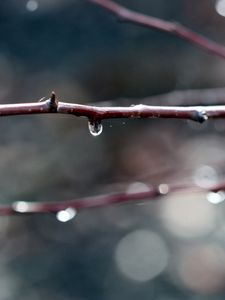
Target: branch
[(165, 26), (154, 193), (96, 114)]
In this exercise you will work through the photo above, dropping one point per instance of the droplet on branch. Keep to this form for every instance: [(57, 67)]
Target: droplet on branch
[(95, 127), (66, 215)]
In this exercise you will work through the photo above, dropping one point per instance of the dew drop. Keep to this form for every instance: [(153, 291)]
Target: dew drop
[(26, 207), (66, 215), (163, 188), (95, 127), (137, 187), (20, 206), (216, 198)]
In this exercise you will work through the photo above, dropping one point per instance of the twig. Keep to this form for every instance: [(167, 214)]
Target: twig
[(165, 26), (96, 114), (154, 193)]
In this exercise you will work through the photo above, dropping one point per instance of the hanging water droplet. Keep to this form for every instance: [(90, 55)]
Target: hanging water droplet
[(66, 215), (95, 127)]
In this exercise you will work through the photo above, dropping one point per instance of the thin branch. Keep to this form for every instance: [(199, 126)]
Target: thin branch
[(96, 114), (165, 26), (154, 193)]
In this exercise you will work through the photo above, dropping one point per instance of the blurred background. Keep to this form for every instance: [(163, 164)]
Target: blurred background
[(172, 248)]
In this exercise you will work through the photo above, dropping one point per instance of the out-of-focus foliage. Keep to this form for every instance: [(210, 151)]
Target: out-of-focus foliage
[(173, 248)]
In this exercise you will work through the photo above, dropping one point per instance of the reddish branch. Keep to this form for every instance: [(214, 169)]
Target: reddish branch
[(154, 193), (165, 26), (98, 113)]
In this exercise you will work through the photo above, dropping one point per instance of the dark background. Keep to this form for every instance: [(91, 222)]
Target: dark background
[(173, 248)]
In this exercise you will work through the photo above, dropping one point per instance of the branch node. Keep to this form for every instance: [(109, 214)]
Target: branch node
[(201, 116), (53, 102)]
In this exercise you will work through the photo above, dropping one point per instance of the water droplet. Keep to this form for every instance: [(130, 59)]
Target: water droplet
[(137, 187), (20, 206), (66, 215), (216, 198), (26, 207), (95, 127), (163, 189)]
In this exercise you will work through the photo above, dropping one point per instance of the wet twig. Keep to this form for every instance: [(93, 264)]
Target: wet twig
[(176, 29), (96, 114), (152, 194)]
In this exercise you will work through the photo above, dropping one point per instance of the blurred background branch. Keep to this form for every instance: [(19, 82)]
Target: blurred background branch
[(176, 29), (69, 208)]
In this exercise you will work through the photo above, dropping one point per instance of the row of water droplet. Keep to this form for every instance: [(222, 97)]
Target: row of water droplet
[(63, 215), (69, 213)]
